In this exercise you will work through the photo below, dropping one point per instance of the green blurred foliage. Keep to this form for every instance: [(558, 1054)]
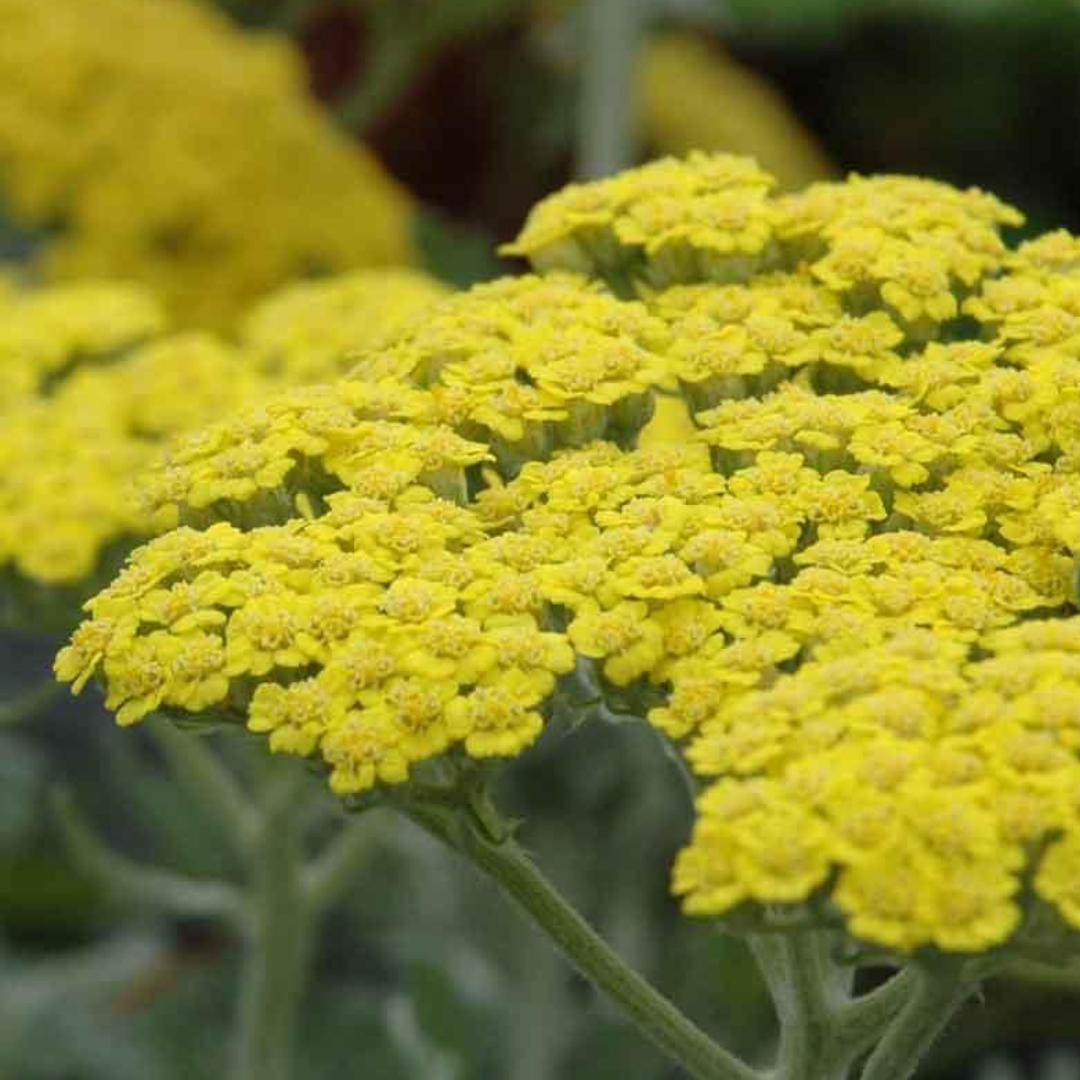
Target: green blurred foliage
[(812, 20)]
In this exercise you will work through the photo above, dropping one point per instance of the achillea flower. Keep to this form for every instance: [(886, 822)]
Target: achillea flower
[(669, 221), (91, 390), (312, 331), (390, 670), (68, 458), (854, 614), (100, 97), (45, 332)]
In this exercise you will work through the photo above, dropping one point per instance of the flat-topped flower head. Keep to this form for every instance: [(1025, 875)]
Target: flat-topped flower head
[(92, 388), (311, 332), (373, 677), (803, 499), (286, 455), (45, 332), (202, 167), (926, 771), (70, 454), (532, 364), (673, 220)]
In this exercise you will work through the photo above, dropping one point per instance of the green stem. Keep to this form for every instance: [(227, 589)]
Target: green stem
[(279, 939), (509, 867), (864, 1019), (396, 59), (675, 758), (792, 965), (607, 105), (1063, 978), (937, 993), (146, 886), (328, 876), (208, 782)]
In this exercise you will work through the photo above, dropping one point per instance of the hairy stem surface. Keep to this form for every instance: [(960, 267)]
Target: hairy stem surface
[(934, 999), (279, 933), (506, 864)]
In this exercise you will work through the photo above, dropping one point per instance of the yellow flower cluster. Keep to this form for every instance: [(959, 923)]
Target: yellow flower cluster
[(527, 365), (312, 331), (90, 391), (900, 243), (706, 217), (67, 460), (44, 332), (389, 629), (909, 245), (285, 456), (916, 778), (159, 143), (817, 523)]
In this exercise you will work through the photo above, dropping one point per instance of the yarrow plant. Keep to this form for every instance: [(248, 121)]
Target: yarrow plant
[(790, 478), (93, 383), (101, 97)]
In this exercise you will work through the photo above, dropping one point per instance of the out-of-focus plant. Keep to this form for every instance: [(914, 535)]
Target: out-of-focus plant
[(815, 18), (62, 997), (596, 45), (693, 96), (275, 908), (682, 90), (92, 387), (403, 37), (790, 479), (158, 143)]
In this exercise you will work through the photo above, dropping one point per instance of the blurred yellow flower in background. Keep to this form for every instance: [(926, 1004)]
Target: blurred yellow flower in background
[(93, 387), (692, 95), (158, 143)]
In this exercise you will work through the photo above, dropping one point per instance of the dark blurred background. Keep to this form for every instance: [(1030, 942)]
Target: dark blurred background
[(975, 92)]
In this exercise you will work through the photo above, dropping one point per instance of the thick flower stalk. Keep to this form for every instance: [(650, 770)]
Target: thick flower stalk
[(159, 143), (791, 477), (92, 386)]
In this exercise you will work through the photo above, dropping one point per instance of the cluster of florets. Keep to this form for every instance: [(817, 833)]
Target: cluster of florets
[(806, 501), (158, 142), (382, 634), (312, 331), (44, 333), (92, 387)]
